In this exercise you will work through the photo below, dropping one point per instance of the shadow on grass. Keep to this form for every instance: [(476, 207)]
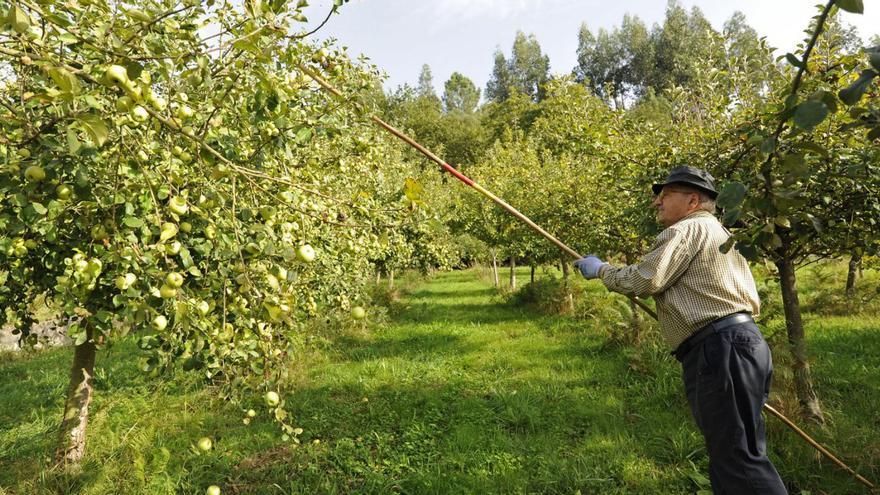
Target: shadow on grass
[(354, 348)]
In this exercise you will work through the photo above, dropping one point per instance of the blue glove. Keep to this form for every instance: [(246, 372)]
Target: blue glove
[(589, 266)]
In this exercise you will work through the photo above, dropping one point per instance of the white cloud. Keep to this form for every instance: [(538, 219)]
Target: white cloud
[(446, 11)]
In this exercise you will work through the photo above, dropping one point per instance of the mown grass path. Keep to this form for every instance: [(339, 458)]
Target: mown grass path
[(458, 393)]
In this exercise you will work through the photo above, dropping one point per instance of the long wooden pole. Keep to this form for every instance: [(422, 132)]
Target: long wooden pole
[(513, 211)]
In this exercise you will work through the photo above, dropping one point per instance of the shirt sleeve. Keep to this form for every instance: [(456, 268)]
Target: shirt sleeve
[(656, 271)]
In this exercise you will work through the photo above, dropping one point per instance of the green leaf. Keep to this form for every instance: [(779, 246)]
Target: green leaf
[(133, 222), (65, 80), (854, 6), (747, 250), (18, 19), (73, 144), (768, 145), (303, 135), (732, 195), (39, 208), (412, 189), (874, 133), (795, 164), (809, 114), (815, 148), (731, 215), (853, 93), (874, 60), (96, 128), (794, 60)]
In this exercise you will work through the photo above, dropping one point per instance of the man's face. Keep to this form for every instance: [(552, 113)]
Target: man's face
[(674, 203)]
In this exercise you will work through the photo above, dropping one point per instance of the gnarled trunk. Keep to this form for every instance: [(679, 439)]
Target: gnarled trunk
[(807, 398), (72, 440), (855, 262), (568, 303), (512, 271)]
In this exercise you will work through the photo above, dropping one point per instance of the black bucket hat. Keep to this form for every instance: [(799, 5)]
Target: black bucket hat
[(690, 176)]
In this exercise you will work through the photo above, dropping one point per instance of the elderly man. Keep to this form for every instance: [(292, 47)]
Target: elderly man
[(705, 302)]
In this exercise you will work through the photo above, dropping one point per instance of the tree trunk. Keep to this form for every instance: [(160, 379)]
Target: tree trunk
[(532, 279), (854, 263), (72, 440), (378, 276), (568, 304), (512, 271), (390, 278), (803, 382), (495, 268)]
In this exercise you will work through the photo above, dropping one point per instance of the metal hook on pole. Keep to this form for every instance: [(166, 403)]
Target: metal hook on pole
[(513, 211)]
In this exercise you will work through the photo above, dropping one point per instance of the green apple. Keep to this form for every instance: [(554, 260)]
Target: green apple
[(185, 112), (178, 205), (272, 398), (124, 104), (305, 253), (64, 192), (251, 413), (173, 247), (174, 280), (186, 227), (203, 307), (80, 266), (267, 212), (139, 114), (34, 173), (358, 313), (116, 75), (205, 444), (159, 323), (167, 231), (99, 232), (158, 102), (167, 292), (210, 232), (123, 282), (213, 490)]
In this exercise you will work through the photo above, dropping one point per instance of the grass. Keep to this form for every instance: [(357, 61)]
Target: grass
[(461, 392)]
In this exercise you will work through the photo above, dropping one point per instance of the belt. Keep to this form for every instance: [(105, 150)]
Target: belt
[(700, 335)]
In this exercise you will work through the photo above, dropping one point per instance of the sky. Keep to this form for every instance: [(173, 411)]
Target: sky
[(462, 36)]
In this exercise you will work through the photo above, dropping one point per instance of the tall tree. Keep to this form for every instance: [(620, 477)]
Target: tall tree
[(498, 87), (526, 71), (529, 68), (425, 89), (614, 64), (460, 94)]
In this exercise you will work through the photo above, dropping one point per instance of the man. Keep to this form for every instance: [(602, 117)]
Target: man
[(705, 302)]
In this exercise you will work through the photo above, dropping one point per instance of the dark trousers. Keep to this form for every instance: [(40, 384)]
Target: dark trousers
[(727, 379)]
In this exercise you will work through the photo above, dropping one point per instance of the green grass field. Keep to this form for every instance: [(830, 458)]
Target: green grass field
[(460, 392)]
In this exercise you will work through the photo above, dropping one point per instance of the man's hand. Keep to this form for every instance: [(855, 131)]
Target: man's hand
[(589, 266)]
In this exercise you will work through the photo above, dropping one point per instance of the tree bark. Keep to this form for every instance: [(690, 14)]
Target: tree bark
[(855, 262), (512, 271), (568, 304), (72, 440), (378, 276), (390, 278), (495, 268), (532, 279), (803, 382)]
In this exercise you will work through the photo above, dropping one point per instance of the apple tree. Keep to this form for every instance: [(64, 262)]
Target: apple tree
[(167, 169)]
